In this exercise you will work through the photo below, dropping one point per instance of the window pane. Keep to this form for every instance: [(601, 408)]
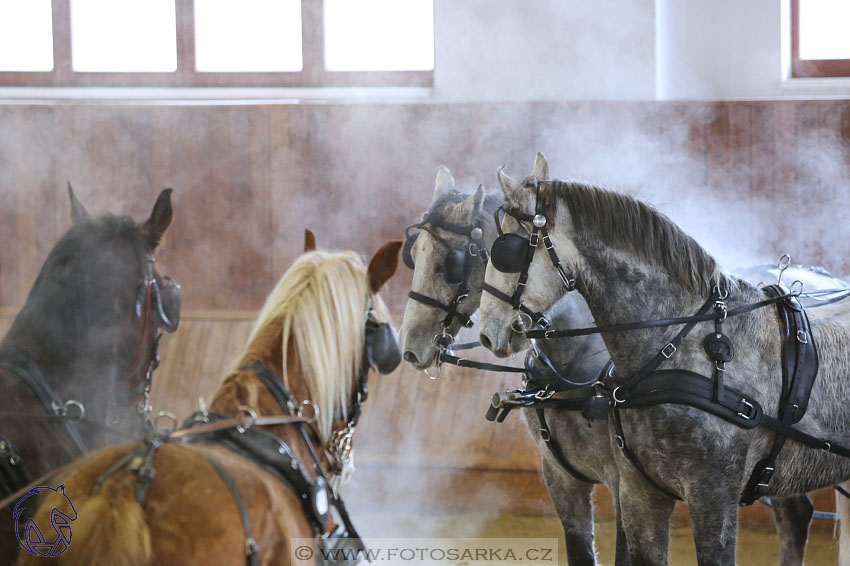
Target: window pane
[(824, 26), (123, 35), (379, 35), (248, 35), (26, 35)]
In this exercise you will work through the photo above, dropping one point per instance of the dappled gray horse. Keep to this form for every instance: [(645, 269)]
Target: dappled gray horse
[(631, 263), (578, 455)]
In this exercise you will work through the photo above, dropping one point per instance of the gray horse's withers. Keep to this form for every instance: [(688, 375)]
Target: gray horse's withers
[(586, 448), (633, 264)]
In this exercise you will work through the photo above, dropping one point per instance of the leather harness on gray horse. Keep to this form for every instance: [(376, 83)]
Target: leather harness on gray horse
[(650, 386)]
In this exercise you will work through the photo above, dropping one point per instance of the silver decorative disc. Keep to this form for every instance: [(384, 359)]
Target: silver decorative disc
[(476, 233), (539, 220)]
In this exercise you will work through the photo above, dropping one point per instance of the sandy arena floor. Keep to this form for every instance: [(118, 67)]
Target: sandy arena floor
[(755, 548)]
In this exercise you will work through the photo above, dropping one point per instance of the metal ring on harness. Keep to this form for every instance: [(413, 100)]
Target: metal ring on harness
[(168, 415), (251, 413), (308, 403), (799, 291), (722, 294), (62, 409), (519, 325), (434, 377), (444, 339), (614, 396)]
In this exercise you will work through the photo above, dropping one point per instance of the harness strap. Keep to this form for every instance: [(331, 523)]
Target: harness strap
[(19, 363), (556, 451), (666, 352), (536, 317), (450, 309), (799, 370), (138, 461), (466, 363), (251, 555), (13, 471), (627, 452), (626, 326)]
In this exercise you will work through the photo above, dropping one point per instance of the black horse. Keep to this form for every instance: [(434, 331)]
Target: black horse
[(75, 366)]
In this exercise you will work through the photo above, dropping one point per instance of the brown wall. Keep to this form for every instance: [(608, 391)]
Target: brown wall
[(749, 179)]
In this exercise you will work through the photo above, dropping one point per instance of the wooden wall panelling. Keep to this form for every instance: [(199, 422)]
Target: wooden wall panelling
[(11, 149)]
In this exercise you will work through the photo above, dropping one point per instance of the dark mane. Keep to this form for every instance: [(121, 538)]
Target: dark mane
[(626, 223)]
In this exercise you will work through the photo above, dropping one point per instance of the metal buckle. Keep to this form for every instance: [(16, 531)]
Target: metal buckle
[(545, 435), (549, 334), (672, 351), (543, 394), (751, 408), (533, 239), (621, 443), (802, 337), (252, 414)]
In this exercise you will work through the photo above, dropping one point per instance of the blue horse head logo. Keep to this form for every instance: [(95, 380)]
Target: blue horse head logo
[(30, 536)]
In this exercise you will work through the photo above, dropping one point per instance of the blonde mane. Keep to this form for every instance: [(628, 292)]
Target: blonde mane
[(321, 303)]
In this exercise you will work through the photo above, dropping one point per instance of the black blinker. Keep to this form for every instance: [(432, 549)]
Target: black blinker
[(508, 253), (406, 255), (456, 267)]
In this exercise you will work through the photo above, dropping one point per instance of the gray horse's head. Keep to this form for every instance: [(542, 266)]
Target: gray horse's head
[(498, 318), (445, 229)]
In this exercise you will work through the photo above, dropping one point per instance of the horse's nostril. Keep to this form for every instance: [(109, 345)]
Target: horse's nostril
[(485, 341), (410, 357)]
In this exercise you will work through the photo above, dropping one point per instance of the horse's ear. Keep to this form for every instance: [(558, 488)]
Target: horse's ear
[(78, 211), (443, 182), (160, 219), (516, 196), (383, 264), (477, 204), (309, 240), (541, 168)]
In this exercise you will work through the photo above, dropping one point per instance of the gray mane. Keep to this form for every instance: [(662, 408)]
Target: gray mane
[(626, 223), (451, 198)]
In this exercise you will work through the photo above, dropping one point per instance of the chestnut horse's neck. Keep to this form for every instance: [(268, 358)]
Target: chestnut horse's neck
[(244, 388)]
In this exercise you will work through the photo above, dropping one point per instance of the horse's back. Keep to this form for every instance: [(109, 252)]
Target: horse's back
[(188, 515)]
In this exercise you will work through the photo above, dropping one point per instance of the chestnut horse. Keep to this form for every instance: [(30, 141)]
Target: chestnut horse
[(79, 355), (208, 504)]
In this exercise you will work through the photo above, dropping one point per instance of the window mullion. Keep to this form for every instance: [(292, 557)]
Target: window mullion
[(185, 40), (312, 42), (62, 68)]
